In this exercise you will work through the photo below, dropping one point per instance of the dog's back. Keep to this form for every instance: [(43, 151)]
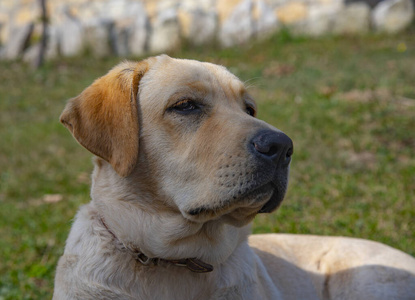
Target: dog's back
[(338, 267)]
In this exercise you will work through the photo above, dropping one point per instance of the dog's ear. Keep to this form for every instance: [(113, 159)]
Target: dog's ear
[(104, 117)]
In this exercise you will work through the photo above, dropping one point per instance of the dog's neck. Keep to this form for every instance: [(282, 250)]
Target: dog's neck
[(159, 233), (192, 264)]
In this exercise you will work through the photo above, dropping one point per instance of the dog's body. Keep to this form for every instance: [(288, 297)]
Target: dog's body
[(182, 168)]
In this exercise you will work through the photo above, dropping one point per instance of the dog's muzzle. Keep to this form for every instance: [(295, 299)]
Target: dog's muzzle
[(265, 182), (273, 150), (273, 147)]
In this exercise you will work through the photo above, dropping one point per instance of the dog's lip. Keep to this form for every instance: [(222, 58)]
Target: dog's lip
[(259, 190), (274, 201), (263, 189)]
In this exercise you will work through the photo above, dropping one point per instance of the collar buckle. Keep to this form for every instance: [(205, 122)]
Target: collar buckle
[(192, 264), (142, 258)]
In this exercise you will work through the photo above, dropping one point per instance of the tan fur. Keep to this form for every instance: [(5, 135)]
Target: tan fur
[(155, 166), (104, 117)]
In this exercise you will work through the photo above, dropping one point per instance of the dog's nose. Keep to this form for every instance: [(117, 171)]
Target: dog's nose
[(273, 145)]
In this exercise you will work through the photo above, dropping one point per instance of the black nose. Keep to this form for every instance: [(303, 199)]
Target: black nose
[(272, 145)]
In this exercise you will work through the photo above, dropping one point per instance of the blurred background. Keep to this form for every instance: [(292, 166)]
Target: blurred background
[(338, 76)]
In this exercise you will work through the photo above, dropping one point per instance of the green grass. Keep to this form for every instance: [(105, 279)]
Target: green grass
[(348, 104)]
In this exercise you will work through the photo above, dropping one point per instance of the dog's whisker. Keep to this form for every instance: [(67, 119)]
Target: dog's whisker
[(251, 79)]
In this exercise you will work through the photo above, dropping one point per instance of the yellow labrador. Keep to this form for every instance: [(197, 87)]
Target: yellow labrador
[(182, 168)]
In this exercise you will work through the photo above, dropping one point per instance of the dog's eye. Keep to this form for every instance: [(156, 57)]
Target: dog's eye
[(185, 106), (250, 111)]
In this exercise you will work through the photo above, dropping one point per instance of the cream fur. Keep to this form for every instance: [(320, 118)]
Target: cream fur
[(174, 163)]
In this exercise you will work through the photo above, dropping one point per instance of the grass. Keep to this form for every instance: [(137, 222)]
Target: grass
[(348, 104)]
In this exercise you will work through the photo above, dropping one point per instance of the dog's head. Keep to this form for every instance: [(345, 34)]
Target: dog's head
[(187, 130)]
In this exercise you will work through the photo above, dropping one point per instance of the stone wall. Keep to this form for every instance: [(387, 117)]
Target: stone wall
[(137, 27)]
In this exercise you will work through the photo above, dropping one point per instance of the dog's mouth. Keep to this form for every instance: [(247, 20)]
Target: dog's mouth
[(278, 193), (242, 209), (251, 195)]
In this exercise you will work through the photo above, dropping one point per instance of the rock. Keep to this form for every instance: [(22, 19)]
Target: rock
[(1, 33), (97, 37), (198, 26), (138, 32), (393, 15), (51, 51), (278, 3), (371, 3), (155, 7), (225, 8), (88, 11), (130, 26), (117, 16), (31, 54), (26, 13), (163, 5), (116, 9), (205, 5), (52, 44), (238, 27), (71, 36), (165, 32), (119, 37), (291, 13), (18, 40), (320, 19), (185, 18), (4, 21), (353, 19), (265, 21), (151, 8), (137, 27)]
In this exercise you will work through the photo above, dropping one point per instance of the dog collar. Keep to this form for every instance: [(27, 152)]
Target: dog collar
[(193, 264)]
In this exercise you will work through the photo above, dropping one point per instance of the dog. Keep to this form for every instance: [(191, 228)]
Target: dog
[(182, 166)]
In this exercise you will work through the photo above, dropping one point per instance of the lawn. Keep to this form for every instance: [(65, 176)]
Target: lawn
[(348, 104)]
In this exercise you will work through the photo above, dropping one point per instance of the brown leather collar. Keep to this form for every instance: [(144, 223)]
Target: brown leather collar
[(192, 264)]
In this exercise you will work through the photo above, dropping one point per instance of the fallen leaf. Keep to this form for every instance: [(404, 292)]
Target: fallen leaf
[(366, 159), (276, 69), (52, 198), (84, 178)]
